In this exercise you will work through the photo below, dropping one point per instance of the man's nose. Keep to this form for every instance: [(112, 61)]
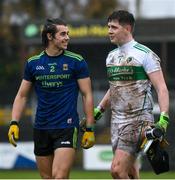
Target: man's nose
[(67, 37), (109, 30)]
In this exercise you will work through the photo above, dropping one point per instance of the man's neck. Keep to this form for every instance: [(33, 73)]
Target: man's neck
[(125, 41), (53, 52)]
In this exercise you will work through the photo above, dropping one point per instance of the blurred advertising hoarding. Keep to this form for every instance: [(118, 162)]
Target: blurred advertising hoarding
[(99, 157), (19, 157)]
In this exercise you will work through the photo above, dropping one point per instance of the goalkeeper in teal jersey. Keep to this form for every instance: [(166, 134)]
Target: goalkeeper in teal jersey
[(132, 69), (57, 76)]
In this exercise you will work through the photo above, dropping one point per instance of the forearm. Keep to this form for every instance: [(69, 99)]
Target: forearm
[(105, 102), (88, 108), (163, 100), (159, 84), (18, 107)]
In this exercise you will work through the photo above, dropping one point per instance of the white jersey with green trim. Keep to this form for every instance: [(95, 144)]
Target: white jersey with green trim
[(130, 87)]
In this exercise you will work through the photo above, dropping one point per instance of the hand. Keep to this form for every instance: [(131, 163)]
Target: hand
[(163, 121), (98, 111), (13, 133), (88, 139)]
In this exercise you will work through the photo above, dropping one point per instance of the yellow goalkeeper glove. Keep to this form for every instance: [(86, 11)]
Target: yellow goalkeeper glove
[(13, 133), (88, 139)]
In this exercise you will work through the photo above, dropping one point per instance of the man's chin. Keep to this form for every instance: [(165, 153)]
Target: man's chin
[(113, 41), (64, 48)]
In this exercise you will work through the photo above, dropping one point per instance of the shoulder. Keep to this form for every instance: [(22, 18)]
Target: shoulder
[(142, 48), (112, 51), (111, 54), (35, 57), (147, 50), (73, 55)]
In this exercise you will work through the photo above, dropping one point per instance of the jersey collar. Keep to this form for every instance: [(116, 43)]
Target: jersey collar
[(128, 44)]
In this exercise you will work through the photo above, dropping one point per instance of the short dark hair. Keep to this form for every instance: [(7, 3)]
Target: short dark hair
[(123, 17), (50, 27)]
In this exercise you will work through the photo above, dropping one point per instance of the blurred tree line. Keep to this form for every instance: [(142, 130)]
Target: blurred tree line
[(15, 13)]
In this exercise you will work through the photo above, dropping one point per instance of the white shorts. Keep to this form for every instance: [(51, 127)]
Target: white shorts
[(128, 137)]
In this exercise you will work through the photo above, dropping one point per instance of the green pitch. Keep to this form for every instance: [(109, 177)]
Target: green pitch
[(78, 174)]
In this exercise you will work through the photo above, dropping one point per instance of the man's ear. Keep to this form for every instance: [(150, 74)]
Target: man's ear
[(128, 27), (49, 36)]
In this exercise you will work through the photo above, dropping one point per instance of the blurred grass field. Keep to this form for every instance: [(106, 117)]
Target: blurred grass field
[(78, 174)]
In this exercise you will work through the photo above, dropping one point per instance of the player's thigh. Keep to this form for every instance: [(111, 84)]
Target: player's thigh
[(63, 160), (44, 164)]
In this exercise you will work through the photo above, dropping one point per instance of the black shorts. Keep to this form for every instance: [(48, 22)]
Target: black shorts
[(46, 141)]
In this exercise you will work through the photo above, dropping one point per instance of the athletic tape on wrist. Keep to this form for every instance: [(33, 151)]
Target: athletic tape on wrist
[(100, 108)]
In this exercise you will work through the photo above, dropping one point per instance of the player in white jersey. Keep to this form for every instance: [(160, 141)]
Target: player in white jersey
[(131, 68)]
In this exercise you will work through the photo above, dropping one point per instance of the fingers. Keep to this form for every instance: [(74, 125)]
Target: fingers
[(12, 141), (88, 140), (87, 145), (16, 133), (84, 143), (13, 134)]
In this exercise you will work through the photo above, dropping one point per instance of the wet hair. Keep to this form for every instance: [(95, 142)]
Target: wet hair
[(123, 17), (50, 27)]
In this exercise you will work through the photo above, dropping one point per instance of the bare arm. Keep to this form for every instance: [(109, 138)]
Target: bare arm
[(158, 82), (105, 102), (20, 100), (86, 90)]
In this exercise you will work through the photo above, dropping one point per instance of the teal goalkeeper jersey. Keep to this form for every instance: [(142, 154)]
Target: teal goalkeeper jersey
[(55, 81)]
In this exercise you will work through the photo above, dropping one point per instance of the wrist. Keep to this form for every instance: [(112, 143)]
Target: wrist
[(165, 114), (164, 117), (100, 108), (90, 128), (14, 122), (98, 111), (164, 120)]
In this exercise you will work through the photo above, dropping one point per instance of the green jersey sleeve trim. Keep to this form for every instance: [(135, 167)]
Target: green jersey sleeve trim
[(36, 57), (73, 55), (142, 48)]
